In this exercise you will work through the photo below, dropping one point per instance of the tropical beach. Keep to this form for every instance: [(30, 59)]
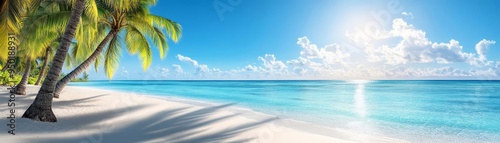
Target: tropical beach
[(147, 111), (177, 71)]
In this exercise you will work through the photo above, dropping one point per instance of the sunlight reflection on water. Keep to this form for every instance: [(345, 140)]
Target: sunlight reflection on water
[(359, 100)]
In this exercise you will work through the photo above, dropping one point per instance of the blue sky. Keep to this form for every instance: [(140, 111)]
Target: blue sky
[(326, 39)]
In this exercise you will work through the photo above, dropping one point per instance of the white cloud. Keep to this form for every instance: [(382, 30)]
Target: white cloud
[(415, 47), (301, 62), (497, 68), (303, 66), (216, 70), (482, 48), (200, 69), (330, 53), (447, 53), (300, 71), (187, 59), (272, 66), (124, 71), (319, 61), (164, 70), (177, 68), (408, 14), (308, 50), (160, 72), (251, 68)]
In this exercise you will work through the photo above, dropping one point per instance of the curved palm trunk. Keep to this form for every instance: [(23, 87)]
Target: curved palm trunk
[(85, 64), (21, 87), (41, 108), (45, 62), (4, 68)]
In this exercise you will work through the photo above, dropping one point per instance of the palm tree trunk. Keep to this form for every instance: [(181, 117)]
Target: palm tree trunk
[(41, 108), (45, 62), (4, 68), (85, 64), (21, 87)]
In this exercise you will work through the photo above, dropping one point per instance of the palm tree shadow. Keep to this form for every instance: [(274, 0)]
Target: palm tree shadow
[(23, 102), (164, 126), (77, 102)]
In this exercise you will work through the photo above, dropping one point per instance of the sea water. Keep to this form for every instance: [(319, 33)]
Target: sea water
[(412, 110)]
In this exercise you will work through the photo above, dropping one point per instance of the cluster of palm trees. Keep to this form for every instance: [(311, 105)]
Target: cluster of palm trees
[(94, 33)]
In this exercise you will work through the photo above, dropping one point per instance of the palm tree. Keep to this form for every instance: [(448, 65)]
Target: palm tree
[(29, 39), (16, 13), (44, 65), (21, 87), (41, 108), (133, 20), (45, 58)]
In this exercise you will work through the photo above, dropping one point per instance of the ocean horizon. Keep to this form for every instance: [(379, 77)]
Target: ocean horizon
[(412, 110)]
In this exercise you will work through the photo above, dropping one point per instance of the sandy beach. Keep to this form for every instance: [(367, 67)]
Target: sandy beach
[(88, 115)]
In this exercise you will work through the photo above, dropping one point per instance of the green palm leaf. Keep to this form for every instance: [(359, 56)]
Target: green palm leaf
[(112, 56)]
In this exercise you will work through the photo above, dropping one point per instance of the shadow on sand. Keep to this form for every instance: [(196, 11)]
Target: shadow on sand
[(175, 125), (189, 127)]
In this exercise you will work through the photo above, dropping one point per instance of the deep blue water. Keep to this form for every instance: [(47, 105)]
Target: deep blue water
[(411, 110)]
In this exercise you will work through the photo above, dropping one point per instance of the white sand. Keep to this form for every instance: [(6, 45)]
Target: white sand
[(87, 115)]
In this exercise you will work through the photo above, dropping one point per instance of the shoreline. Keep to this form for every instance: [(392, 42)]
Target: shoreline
[(252, 126), (247, 112), (304, 126)]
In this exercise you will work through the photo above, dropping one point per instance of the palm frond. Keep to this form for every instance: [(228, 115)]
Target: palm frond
[(137, 43), (69, 61), (174, 29), (122, 5), (150, 31), (91, 10), (97, 62), (11, 13), (112, 56), (48, 22)]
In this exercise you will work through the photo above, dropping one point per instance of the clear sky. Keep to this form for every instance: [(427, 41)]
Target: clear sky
[(326, 39)]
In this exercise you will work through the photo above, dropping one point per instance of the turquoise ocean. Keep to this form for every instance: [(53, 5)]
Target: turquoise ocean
[(412, 110)]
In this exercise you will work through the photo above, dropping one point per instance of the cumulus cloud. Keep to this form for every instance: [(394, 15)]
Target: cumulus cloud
[(177, 68), (271, 65), (251, 68), (164, 70), (300, 71), (308, 50), (447, 53), (187, 59), (301, 62), (160, 72), (316, 60), (330, 53), (200, 69), (415, 47), (482, 48)]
